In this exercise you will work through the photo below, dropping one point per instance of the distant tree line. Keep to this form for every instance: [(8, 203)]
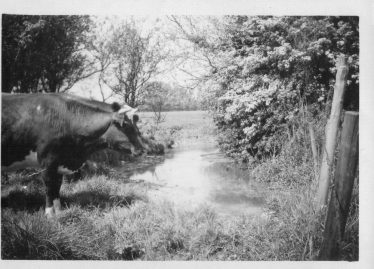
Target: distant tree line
[(161, 96)]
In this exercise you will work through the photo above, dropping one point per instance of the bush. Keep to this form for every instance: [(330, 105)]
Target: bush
[(269, 70)]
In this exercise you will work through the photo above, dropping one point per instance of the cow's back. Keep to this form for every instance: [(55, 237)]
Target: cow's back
[(48, 124)]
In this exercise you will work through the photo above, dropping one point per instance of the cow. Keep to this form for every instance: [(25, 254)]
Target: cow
[(58, 132)]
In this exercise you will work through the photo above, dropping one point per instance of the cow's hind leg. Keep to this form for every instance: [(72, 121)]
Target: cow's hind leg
[(52, 181)]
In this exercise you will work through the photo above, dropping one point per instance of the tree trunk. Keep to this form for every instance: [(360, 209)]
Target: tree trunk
[(52, 85)]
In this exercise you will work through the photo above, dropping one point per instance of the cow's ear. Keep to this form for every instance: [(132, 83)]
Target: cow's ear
[(116, 107), (135, 118), (125, 109)]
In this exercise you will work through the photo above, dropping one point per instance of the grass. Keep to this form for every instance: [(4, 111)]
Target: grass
[(108, 217), (158, 231), (147, 231), (27, 234)]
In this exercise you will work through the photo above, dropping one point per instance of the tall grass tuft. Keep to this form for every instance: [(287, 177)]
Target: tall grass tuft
[(101, 191), (32, 236)]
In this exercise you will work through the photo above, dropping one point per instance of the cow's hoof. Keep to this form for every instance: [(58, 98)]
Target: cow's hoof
[(49, 212), (57, 205)]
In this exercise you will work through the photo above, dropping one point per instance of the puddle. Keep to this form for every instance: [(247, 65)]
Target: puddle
[(190, 178)]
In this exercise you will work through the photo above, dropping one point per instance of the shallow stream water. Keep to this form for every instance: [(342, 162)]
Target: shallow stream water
[(203, 176)]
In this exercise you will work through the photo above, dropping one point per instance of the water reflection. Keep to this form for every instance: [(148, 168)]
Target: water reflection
[(190, 178)]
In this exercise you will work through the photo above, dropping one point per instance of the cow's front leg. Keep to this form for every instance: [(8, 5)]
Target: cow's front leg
[(52, 180)]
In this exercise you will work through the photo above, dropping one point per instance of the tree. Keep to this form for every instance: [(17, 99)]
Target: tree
[(156, 98), (44, 53), (203, 32), (99, 46), (134, 60)]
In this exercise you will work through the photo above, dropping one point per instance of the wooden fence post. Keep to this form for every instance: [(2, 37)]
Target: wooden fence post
[(314, 150), (343, 184), (332, 127)]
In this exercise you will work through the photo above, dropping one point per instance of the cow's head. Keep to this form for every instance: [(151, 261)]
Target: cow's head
[(128, 125)]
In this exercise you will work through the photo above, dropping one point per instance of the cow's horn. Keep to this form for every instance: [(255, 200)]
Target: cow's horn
[(131, 112), (125, 109)]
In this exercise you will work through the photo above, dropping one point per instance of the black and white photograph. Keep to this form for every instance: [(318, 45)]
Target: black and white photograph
[(184, 137)]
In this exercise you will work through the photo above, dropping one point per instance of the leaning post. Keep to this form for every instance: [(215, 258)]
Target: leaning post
[(341, 193), (332, 127), (314, 150)]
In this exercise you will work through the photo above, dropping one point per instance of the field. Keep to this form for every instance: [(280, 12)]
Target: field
[(109, 217), (183, 118), (185, 128)]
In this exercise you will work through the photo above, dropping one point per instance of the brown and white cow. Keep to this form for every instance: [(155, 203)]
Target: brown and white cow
[(58, 132)]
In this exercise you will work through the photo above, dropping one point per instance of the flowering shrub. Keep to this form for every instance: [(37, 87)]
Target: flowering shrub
[(267, 68)]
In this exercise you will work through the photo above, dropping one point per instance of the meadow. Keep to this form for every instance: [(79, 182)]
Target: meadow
[(107, 216), (185, 128)]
